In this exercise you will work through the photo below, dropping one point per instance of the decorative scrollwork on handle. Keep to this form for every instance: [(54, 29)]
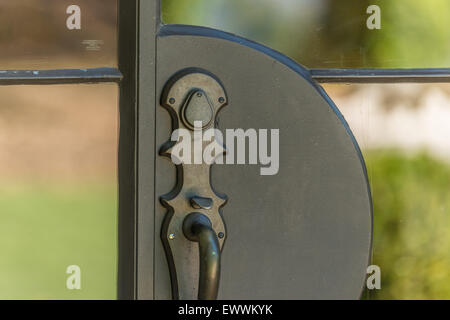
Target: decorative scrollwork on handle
[(193, 98)]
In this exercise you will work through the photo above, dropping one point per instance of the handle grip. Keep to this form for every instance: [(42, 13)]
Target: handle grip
[(198, 228)]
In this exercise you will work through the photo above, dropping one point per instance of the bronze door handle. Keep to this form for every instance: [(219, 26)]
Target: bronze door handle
[(194, 208), (198, 228)]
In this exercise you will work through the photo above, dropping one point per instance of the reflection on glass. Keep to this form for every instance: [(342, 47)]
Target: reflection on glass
[(330, 33), (403, 131), (58, 191), (51, 34)]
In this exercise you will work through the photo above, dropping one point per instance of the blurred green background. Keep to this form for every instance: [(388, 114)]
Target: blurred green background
[(330, 33), (58, 184), (411, 241)]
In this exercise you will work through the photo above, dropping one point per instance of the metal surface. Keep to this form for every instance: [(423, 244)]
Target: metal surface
[(197, 108), (62, 76), (193, 183), (380, 75), (126, 273), (201, 203), (304, 233), (136, 228), (148, 24), (198, 228), (108, 75)]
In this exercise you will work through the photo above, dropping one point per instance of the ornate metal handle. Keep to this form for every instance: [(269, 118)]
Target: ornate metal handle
[(198, 228), (193, 96)]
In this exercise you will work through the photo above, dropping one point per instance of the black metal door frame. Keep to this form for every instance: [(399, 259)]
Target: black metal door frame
[(139, 22)]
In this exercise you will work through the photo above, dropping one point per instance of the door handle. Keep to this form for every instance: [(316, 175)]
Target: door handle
[(198, 228), (193, 231)]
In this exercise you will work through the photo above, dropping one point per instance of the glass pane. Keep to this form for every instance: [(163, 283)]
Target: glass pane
[(403, 131), (51, 34), (58, 191), (330, 33)]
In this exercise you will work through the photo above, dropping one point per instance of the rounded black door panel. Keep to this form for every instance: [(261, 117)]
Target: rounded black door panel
[(302, 233)]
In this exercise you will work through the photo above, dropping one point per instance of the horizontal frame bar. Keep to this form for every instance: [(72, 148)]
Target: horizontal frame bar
[(380, 75), (60, 76), (105, 75)]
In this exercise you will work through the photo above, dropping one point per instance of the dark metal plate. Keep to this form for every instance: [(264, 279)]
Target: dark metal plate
[(304, 233)]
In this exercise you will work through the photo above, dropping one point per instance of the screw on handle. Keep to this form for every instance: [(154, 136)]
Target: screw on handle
[(198, 228)]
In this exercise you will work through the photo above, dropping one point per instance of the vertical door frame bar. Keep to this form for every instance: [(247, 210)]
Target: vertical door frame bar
[(139, 22)]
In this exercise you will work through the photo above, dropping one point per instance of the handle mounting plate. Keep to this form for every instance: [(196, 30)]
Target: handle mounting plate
[(191, 95)]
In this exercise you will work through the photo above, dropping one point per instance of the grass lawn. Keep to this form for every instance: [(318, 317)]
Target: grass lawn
[(45, 229)]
